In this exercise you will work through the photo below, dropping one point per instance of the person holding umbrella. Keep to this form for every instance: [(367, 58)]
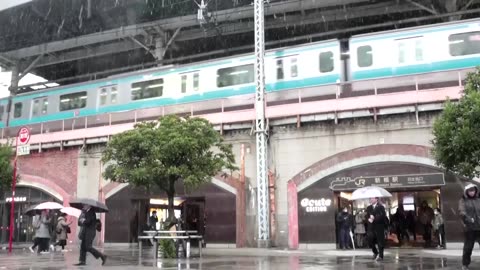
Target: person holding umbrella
[(376, 227), (62, 230), (376, 217), (87, 223)]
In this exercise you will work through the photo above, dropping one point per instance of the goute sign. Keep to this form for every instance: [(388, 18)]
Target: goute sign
[(315, 206)]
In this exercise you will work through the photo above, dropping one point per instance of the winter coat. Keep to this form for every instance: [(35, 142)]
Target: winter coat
[(437, 221), (87, 222), (344, 220), (380, 218), (425, 215), (469, 209), (43, 227), (360, 223), (61, 229)]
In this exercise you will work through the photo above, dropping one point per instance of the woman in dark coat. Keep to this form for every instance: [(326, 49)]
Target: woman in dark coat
[(87, 223)]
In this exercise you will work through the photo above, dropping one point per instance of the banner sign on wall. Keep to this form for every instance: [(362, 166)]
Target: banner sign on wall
[(388, 181)]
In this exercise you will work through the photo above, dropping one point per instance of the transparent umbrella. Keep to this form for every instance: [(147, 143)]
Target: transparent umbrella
[(370, 192)]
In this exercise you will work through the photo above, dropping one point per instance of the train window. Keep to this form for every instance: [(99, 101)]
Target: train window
[(147, 89), (40, 106), (235, 75), (113, 95), (2, 109), (326, 62), (464, 43), (293, 67), (17, 110), (103, 96), (196, 82), (418, 50), (73, 101), (364, 56), (184, 83), (280, 75)]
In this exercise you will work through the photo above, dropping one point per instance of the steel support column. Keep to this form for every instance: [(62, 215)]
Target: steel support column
[(261, 135)]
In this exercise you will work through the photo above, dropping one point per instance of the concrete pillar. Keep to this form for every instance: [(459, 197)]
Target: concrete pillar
[(452, 6), (89, 173), (159, 48), (13, 91)]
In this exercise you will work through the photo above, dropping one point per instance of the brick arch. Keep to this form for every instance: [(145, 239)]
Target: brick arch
[(228, 183), (46, 186), (418, 154)]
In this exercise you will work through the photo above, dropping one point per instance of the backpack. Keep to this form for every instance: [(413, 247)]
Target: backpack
[(98, 225)]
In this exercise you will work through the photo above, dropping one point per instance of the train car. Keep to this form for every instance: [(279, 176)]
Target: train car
[(309, 67), (414, 51), (3, 112)]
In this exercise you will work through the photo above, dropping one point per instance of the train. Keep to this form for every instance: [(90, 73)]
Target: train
[(419, 50)]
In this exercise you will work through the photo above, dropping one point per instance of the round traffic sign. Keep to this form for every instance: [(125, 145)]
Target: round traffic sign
[(24, 135)]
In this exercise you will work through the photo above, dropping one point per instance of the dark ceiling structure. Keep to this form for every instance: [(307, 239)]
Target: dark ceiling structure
[(71, 41)]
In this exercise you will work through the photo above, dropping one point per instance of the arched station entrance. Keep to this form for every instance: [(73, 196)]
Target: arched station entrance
[(317, 194), (24, 198)]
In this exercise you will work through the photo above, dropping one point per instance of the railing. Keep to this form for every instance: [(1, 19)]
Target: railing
[(359, 95)]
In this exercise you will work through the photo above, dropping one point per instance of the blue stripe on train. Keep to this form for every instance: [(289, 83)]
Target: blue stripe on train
[(150, 103)]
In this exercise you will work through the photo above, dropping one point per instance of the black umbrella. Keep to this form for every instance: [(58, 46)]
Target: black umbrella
[(96, 205)]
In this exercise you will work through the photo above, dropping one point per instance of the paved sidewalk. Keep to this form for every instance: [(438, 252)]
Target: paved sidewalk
[(244, 259)]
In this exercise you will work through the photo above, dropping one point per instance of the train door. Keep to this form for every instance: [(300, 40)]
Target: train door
[(39, 107), (286, 67), (107, 95), (189, 82)]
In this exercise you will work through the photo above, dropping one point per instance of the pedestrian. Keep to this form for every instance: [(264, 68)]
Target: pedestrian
[(153, 220), (376, 228), (438, 227), (425, 216), (360, 228), (88, 224), (36, 226), (469, 210), (62, 230), (344, 222), (43, 232)]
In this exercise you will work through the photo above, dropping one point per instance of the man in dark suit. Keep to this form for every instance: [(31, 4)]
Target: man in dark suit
[(87, 222), (376, 216)]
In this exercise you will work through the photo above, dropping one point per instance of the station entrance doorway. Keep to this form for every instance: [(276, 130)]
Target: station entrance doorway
[(410, 215)]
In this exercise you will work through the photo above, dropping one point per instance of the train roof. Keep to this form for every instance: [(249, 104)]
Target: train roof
[(399, 33)]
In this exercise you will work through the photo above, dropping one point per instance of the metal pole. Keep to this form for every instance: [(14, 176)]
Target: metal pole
[(14, 183), (261, 135)]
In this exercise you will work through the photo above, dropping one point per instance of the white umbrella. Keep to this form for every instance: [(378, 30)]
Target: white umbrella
[(370, 192), (71, 211), (48, 205)]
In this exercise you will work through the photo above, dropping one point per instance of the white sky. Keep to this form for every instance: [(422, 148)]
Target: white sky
[(4, 4), (5, 78)]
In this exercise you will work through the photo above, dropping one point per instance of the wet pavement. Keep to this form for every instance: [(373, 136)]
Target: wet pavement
[(245, 259)]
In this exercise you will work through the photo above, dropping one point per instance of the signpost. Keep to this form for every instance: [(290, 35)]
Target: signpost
[(21, 148)]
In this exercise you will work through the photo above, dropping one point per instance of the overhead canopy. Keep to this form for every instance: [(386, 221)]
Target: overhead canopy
[(76, 40)]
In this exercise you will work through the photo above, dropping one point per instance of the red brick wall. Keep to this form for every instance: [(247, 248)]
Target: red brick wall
[(60, 167), (57, 171)]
